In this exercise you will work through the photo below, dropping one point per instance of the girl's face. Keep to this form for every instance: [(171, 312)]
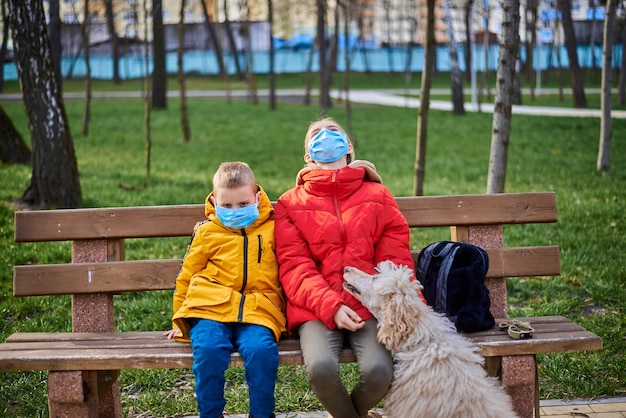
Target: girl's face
[(314, 129)]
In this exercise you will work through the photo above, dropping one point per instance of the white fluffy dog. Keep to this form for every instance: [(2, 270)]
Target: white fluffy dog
[(437, 372)]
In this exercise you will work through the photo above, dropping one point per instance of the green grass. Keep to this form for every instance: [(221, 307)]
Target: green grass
[(546, 154)]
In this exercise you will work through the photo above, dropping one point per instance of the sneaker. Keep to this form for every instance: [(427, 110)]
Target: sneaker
[(373, 414)]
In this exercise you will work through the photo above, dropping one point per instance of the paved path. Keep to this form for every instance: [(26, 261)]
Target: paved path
[(397, 98), (597, 408), (390, 97)]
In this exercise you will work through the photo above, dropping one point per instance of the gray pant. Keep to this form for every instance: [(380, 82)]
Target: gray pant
[(321, 347)]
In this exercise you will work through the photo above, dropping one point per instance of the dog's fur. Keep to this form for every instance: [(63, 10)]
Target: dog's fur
[(437, 373)]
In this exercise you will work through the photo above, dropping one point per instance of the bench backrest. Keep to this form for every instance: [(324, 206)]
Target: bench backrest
[(98, 270)]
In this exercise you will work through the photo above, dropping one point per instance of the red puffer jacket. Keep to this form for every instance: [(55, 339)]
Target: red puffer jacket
[(334, 219)]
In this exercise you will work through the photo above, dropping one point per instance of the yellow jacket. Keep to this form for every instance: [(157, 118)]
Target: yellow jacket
[(231, 275)]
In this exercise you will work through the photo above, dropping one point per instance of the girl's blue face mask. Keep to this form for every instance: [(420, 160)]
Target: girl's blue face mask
[(239, 218), (328, 146)]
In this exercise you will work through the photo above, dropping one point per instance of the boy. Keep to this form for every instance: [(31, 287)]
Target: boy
[(228, 296)]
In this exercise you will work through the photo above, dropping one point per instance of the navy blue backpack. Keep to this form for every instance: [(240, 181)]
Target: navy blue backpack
[(453, 276)]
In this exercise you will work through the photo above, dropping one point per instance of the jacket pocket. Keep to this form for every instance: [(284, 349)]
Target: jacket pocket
[(203, 292)]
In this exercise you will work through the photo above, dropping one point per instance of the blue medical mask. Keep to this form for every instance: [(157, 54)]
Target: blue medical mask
[(328, 146), (239, 218)]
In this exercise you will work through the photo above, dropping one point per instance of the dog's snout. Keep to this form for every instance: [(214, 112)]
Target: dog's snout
[(346, 270)]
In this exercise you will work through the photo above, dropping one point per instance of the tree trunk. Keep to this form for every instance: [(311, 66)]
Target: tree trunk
[(115, 48), (509, 49), (250, 77), (231, 42), (271, 75), (13, 150), (604, 151), (184, 118), (85, 29), (217, 45), (458, 107), (159, 77), (531, 24), (622, 72), (5, 40), (54, 32), (324, 87), (54, 182), (422, 118), (334, 43), (347, 13), (469, 53), (576, 80), (147, 108)]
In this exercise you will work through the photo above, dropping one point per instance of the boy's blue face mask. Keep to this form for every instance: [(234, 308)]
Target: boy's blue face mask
[(328, 146), (239, 218)]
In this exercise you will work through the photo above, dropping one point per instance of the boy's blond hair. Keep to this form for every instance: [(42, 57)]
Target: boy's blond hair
[(232, 175)]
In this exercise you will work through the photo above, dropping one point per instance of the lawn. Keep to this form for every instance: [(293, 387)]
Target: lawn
[(546, 154)]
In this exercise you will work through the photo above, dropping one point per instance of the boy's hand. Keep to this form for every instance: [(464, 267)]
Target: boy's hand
[(346, 318), (172, 333)]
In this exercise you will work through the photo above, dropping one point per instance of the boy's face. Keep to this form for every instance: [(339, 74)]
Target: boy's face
[(234, 198)]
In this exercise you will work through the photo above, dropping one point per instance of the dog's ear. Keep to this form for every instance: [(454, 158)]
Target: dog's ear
[(397, 321)]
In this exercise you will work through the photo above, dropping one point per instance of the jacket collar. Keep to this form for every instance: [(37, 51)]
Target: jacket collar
[(342, 182)]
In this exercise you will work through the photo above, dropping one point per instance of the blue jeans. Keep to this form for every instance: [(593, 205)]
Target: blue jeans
[(212, 343)]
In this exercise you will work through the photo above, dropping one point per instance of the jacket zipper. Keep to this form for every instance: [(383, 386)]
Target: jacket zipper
[(338, 211), (245, 275), (260, 238)]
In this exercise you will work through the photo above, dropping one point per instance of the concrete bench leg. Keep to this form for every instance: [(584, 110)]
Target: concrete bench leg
[(86, 394), (519, 378)]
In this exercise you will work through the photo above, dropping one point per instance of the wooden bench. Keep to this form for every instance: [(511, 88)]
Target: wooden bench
[(84, 364)]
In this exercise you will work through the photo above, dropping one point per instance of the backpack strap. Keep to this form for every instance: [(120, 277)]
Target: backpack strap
[(441, 302), (445, 250)]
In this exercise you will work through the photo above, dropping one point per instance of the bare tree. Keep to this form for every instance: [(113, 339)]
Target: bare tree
[(622, 72), (5, 40), (184, 118), (13, 150), (54, 32), (115, 44), (458, 107), (505, 92), (531, 14), (54, 181), (604, 151), (85, 28), (347, 17), (576, 80), (217, 44), (325, 73), (159, 77), (422, 118), (231, 41), (469, 42), (146, 94), (272, 57), (244, 32)]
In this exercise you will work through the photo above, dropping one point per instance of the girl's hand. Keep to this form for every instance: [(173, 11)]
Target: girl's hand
[(172, 333), (346, 318)]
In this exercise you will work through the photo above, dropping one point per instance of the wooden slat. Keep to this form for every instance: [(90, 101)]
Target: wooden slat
[(116, 351), (104, 277), (486, 209), (552, 334), (142, 275), (137, 350), (178, 220), (107, 223)]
